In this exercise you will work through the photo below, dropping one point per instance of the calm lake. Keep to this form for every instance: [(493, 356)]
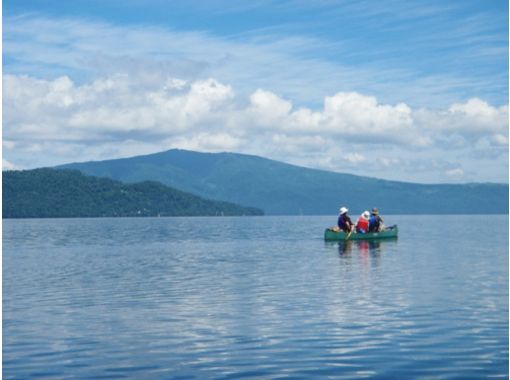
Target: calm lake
[(259, 297)]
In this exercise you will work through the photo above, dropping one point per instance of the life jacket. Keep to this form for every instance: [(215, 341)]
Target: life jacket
[(374, 223), (362, 225)]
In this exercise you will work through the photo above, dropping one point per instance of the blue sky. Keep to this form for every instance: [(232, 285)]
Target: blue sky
[(405, 90)]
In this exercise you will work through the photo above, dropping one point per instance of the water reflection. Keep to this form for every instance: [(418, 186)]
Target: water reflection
[(369, 251), (253, 297)]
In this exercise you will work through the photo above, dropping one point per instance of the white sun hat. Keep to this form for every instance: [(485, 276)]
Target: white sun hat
[(343, 210), (366, 214)]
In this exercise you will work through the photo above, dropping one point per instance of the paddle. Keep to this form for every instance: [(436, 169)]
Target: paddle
[(348, 235)]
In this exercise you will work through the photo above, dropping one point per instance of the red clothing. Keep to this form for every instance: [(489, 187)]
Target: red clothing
[(362, 225)]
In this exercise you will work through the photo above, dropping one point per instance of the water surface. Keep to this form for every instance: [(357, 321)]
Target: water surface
[(260, 297)]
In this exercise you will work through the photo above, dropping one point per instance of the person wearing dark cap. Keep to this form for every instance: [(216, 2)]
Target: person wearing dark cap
[(375, 223)]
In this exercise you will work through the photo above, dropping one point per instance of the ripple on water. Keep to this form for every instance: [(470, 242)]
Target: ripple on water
[(251, 297)]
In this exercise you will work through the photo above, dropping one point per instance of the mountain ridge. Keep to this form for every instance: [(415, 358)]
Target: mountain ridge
[(279, 162), (281, 188), (54, 193)]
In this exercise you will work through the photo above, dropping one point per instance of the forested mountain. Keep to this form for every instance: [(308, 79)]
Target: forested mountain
[(46, 193), (280, 188)]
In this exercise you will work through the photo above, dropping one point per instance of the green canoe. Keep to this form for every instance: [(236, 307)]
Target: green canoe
[(391, 232)]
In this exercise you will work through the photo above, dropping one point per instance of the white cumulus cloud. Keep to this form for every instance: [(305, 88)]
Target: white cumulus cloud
[(7, 165), (455, 173), (107, 117), (472, 119)]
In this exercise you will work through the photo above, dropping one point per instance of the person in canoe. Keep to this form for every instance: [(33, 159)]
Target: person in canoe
[(362, 223), (375, 223), (344, 221)]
